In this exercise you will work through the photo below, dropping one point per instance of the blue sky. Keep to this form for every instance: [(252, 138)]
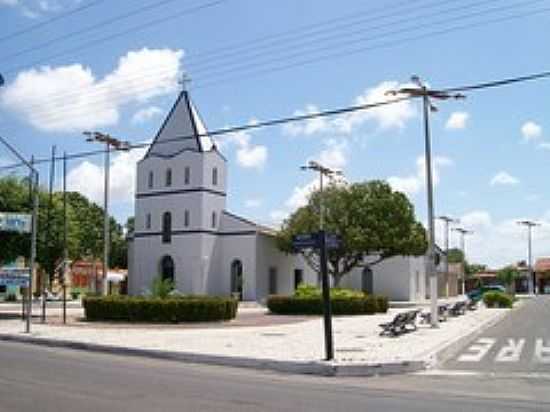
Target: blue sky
[(491, 150)]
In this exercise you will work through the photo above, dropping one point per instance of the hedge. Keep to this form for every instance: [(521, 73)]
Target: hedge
[(293, 305), (143, 309), (497, 300)]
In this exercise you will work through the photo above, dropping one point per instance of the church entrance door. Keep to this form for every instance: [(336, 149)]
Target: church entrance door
[(237, 279), (167, 268)]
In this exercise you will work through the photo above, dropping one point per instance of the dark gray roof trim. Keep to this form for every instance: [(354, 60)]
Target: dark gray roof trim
[(194, 232), (179, 191)]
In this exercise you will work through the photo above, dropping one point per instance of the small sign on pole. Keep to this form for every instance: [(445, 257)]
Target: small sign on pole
[(15, 222), (14, 277)]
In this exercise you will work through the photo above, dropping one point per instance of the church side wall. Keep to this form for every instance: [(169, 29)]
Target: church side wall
[(243, 248)]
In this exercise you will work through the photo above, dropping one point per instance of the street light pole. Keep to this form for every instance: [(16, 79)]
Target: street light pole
[(34, 229), (463, 232), (532, 281), (447, 220), (327, 310), (118, 145), (422, 91)]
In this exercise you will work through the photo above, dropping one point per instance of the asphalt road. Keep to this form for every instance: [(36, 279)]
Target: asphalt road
[(519, 344), (39, 379)]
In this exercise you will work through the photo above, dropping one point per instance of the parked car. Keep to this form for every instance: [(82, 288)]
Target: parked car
[(478, 293)]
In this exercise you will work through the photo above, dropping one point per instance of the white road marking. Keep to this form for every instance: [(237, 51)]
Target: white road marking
[(479, 349), (542, 353), (511, 352)]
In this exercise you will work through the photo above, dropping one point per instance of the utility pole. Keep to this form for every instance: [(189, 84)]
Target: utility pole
[(35, 180), (65, 229), (426, 94), (463, 232), (327, 310), (447, 220), (532, 281), (49, 253), (109, 142)]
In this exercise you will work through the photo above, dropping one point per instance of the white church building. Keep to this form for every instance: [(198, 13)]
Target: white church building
[(184, 232)]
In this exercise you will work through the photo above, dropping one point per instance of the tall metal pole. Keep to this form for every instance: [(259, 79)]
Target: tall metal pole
[(48, 234), (106, 228), (33, 251), (65, 229), (532, 280), (321, 203), (430, 264)]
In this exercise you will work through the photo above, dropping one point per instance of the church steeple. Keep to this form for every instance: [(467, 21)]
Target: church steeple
[(182, 130)]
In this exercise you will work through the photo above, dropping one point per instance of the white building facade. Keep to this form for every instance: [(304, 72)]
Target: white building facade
[(183, 231)]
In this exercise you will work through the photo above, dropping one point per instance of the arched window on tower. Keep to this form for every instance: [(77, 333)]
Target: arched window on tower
[(166, 227), (150, 181), (215, 176), (187, 175), (214, 219), (168, 177), (186, 218), (148, 221)]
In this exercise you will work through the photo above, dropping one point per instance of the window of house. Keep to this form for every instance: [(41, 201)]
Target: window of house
[(148, 221), (169, 177), (215, 176), (150, 181), (186, 218), (166, 227), (187, 175), (214, 218)]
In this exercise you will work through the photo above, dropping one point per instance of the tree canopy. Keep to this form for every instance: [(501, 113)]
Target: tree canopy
[(85, 227), (455, 255), (371, 218)]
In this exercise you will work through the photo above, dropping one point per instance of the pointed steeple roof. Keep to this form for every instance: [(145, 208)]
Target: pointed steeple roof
[(182, 130)]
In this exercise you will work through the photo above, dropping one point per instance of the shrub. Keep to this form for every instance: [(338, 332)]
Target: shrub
[(161, 288), (171, 309), (313, 305), (11, 297), (498, 300), (382, 303), (305, 290)]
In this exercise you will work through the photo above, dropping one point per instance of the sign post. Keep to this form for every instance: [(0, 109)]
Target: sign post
[(322, 241)]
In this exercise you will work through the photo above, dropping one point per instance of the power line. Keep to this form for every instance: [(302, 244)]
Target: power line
[(98, 90), (309, 116), (141, 26), (235, 129), (50, 20), (87, 29)]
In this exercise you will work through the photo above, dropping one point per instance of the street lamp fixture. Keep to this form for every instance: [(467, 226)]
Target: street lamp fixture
[(529, 224)]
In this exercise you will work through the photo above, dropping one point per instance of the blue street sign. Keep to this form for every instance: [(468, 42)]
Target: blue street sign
[(333, 241), (14, 277), (15, 222), (306, 241)]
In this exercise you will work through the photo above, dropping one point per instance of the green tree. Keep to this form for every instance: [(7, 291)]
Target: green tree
[(507, 275), (371, 218), (455, 255), (85, 227), (474, 268)]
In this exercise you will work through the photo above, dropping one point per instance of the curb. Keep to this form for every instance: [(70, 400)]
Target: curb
[(320, 368)]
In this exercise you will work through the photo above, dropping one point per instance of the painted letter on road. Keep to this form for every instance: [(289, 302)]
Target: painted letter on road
[(511, 352), (542, 353), (478, 350)]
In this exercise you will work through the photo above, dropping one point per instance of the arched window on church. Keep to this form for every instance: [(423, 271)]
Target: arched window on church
[(187, 175), (215, 176), (166, 227), (214, 219), (148, 221), (186, 218), (150, 181), (168, 177)]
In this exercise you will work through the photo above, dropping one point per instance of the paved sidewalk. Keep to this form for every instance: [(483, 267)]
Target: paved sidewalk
[(357, 343)]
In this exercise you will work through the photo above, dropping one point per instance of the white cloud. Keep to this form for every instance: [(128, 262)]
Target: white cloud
[(277, 216), (300, 195), (253, 203), (531, 131), (392, 116), (9, 2), (87, 178), (457, 120), (504, 178), (544, 145), (334, 154), (412, 184), (252, 156), (248, 154), (46, 97), (146, 114), (499, 242)]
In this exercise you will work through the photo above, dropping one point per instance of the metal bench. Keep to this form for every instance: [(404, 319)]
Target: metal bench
[(399, 323), (442, 311), (458, 308)]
